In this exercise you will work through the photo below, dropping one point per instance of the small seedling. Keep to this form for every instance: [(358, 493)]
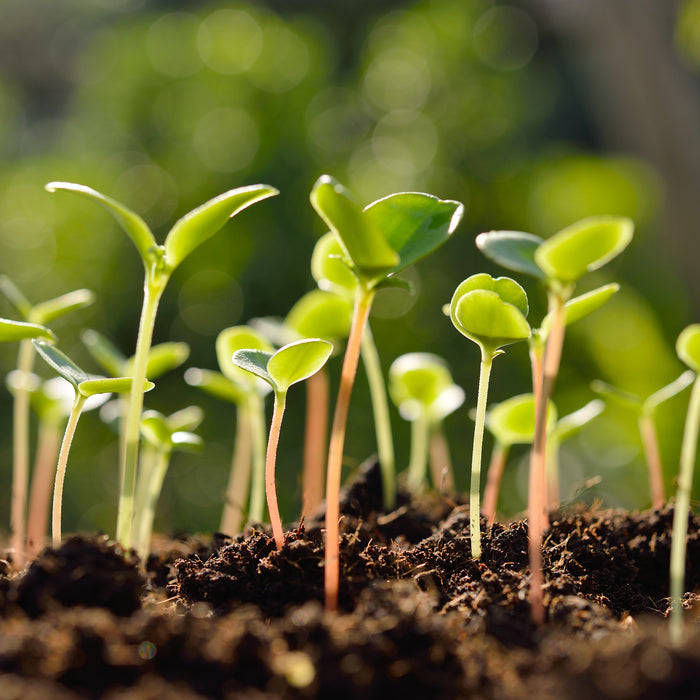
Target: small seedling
[(290, 364), (159, 261), (645, 410), (164, 435), (688, 350), (492, 313), (421, 386), (377, 242), (84, 387)]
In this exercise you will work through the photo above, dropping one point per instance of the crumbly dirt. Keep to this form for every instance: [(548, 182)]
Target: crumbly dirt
[(222, 617)]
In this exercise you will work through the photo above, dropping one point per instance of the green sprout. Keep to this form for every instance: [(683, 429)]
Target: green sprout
[(491, 313), (84, 387), (377, 242), (688, 350), (645, 410), (159, 261), (290, 364), (237, 386), (163, 435), (421, 386)]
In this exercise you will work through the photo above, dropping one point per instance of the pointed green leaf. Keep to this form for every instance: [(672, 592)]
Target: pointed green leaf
[(186, 419), (669, 391), (512, 421), (60, 362), (49, 310), (688, 346), (361, 238), (135, 227), (617, 396), (202, 223), (330, 267), (320, 314), (414, 224), (255, 362), (240, 338), (583, 305), (298, 361), (571, 424), (584, 246), (12, 331), (110, 385), (215, 384), (104, 352), (513, 250), (15, 297)]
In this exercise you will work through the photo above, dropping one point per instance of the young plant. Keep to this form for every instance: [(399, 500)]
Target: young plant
[(84, 387), (159, 261), (421, 386), (491, 313), (688, 350), (290, 364), (164, 435), (377, 242), (645, 410), (38, 314)]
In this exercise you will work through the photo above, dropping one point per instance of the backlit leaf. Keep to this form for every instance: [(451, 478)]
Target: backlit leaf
[(49, 310), (110, 385), (12, 331), (513, 250), (298, 361), (60, 362), (583, 305)]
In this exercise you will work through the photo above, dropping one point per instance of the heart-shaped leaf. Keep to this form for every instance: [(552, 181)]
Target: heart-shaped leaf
[(60, 362), (416, 381), (583, 305), (514, 250), (135, 227), (512, 421), (215, 384), (688, 346), (506, 288), (330, 267), (320, 314), (12, 331), (584, 246), (49, 310), (202, 223), (298, 361)]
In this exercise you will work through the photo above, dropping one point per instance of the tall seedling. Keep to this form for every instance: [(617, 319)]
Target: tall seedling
[(377, 242), (159, 261)]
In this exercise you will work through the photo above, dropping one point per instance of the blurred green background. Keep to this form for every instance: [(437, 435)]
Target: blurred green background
[(533, 113)]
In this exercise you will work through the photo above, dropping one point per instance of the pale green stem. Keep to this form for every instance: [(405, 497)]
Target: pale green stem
[(418, 466), (258, 431), (480, 421), (270, 459), (153, 486), (125, 514), (315, 440), (681, 512), (239, 478), (493, 481), (652, 454), (20, 470), (382, 421), (148, 456), (77, 408)]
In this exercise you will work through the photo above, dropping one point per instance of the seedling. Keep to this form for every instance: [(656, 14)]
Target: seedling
[(688, 350), (422, 388), (84, 387), (290, 364), (159, 261), (645, 410), (491, 313), (164, 435), (377, 242)]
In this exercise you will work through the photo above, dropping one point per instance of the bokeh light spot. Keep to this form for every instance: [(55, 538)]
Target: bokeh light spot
[(505, 38), (397, 79), (229, 41), (171, 45), (226, 139)]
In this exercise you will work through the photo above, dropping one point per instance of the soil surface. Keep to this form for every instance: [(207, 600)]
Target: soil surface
[(222, 617)]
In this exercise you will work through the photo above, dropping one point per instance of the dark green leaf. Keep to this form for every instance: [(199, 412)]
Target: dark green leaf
[(513, 250)]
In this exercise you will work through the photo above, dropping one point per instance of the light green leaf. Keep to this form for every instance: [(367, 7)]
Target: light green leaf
[(514, 250), (60, 362), (110, 385), (320, 314), (418, 377), (135, 227), (215, 384), (255, 362), (104, 352), (330, 267), (15, 297), (669, 391), (49, 310), (240, 338), (512, 421), (298, 361), (12, 331), (570, 425), (202, 223), (688, 346), (584, 246), (583, 305), (154, 427)]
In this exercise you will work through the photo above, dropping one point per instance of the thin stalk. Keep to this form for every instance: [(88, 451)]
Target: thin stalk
[(418, 466), (480, 422), (270, 458), (553, 490), (382, 422), (440, 462), (157, 469), (317, 395), (77, 408), (652, 454), (257, 433), (363, 303), (20, 467), (239, 478), (148, 457), (48, 445), (129, 467), (493, 481), (681, 512)]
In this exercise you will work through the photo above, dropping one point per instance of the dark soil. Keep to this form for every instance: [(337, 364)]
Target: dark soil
[(233, 618)]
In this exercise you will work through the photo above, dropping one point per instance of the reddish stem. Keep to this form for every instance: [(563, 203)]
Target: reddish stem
[(493, 482), (440, 462), (270, 458)]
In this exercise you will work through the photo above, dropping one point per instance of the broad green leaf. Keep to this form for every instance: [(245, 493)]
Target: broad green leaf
[(418, 376), (49, 310), (584, 246), (202, 223), (215, 384), (688, 346), (110, 385), (583, 305), (162, 358), (154, 427), (320, 314), (330, 267), (135, 227), (512, 421), (239, 338), (506, 288), (513, 250), (572, 423), (15, 297), (104, 352), (186, 419), (255, 362), (670, 390), (617, 396), (414, 224), (362, 240), (11, 331), (60, 362), (184, 441), (298, 361)]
